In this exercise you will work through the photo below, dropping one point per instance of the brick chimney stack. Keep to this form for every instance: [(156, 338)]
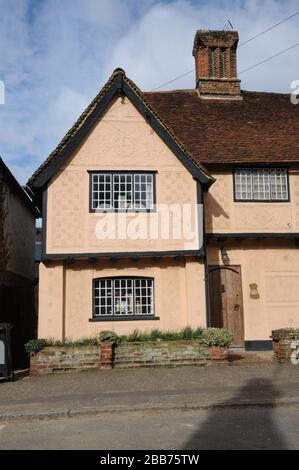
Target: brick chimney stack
[(215, 54)]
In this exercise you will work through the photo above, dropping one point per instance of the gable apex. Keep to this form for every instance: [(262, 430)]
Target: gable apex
[(117, 85)]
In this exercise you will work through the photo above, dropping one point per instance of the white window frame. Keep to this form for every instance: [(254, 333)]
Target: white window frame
[(122, 297), (261, 184), (123, 191)]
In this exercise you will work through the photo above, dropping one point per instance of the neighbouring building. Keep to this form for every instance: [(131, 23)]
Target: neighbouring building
[(173, 208), (17, 237)]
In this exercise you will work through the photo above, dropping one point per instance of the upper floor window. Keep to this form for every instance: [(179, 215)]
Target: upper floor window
[(127, 297), (261, 184), (111, 191)]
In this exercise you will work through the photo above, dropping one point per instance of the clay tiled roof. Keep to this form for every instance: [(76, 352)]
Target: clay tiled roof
[(261, 128), (54, 156)]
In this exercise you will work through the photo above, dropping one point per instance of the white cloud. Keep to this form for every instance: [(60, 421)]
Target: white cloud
[(56, 55)]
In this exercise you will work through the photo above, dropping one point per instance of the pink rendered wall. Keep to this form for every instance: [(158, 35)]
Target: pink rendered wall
[(274, 267), (66, 296), (223, 215), (122, 140)]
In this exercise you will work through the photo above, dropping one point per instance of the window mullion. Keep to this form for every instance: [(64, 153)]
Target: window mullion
[(133, 190), (113, 295), (112, 188), (268, 185), (134, 306)]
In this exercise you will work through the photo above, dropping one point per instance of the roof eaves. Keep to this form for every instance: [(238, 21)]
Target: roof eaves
[(18, 189)]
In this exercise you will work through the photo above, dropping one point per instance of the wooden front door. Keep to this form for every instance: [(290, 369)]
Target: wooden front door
[(226, 301)]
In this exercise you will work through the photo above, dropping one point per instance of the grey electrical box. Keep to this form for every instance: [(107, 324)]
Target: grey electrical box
[(5, 352)]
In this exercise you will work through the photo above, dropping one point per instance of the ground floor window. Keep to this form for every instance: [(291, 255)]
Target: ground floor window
[(123, 297)]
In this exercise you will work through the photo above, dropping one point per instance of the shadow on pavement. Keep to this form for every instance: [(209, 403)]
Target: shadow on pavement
[(246, 427)]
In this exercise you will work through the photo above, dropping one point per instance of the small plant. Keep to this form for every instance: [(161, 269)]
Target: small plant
[(156, 335), (80, 342), (187, 333), (217, 337), (36, 345), (283, 333), (134, 336), (108, 336)]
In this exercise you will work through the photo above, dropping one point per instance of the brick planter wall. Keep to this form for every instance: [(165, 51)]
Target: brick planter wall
[(64, 359), (161, 353), (149, 354), (281, 343)]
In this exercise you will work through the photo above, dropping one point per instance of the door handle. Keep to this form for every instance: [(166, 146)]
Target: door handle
[(236, 306)]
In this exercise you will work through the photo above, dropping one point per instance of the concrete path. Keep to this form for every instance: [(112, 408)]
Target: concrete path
[(91, 393)]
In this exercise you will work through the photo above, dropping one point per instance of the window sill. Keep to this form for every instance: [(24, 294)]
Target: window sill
[(123, 318), (123, 211), (273, 201)]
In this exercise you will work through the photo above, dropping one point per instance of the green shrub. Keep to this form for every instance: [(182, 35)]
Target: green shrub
[(282, 333), (217, 337), (108, 336), (36, 345)]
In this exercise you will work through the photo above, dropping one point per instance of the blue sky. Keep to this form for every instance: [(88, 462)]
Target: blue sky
[(56, 55)]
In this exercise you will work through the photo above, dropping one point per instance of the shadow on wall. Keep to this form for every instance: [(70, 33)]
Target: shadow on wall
[(213, 211), (17, 308), (241, 428)]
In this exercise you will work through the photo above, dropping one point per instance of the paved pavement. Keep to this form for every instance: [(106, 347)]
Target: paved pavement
[(237, 428), (90, 393)]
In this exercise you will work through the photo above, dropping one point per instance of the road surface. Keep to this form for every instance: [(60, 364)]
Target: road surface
[(230, 428)]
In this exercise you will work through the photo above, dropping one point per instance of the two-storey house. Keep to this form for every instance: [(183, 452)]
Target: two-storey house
[(168, 209)]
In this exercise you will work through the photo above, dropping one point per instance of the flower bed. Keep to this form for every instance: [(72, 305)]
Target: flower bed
[(151, 349)]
